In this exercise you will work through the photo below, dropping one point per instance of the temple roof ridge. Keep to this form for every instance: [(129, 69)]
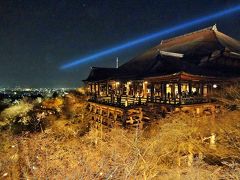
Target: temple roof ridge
[(213, 28)]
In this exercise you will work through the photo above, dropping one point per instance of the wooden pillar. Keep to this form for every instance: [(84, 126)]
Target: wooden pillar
[(95, 89), (201, 88), (134, 88), (141, 93), (128, 88), (198, 89), (145, 83), (180, 92), (161, 90), (164, 91), (98, 92), (139, 100), (152, 92), (209, 89), (91, 88), (117, 88), (107, 88), (112, 98), (121, 89), (173, 90), (172, 95), (190, 88)]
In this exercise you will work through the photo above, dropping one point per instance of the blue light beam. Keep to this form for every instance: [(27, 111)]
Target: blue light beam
[(151, 36)]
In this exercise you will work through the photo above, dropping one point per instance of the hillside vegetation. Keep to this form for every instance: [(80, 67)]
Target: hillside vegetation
[(181, 146)]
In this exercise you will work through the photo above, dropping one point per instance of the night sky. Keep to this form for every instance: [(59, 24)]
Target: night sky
[(38, 36)]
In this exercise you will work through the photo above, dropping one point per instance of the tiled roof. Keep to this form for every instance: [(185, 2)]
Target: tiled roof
[(195, 47)]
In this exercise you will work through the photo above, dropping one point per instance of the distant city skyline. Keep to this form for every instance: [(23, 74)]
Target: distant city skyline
[(36, 37)]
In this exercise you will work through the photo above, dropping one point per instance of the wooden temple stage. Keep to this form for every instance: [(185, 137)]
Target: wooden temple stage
[(180, 74), (111, 116)]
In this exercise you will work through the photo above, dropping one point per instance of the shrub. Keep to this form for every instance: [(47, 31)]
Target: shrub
[(22, 117)]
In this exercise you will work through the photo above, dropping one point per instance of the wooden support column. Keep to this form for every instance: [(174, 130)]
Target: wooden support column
[(161, 90), (134, 88), (115, 88), (201, 88), (173, 92), (140, 89), (91, 88), (164, 91), (98, 92), (121, 89), (198, 89), (173, 89), (128, 88), (152, 92), (180, 92), (145, 83), (190, 88), (209, 89), (112, 97), (95, 89), (107, 88)]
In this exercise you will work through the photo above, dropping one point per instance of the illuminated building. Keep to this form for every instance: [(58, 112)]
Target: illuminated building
[(182, 70)]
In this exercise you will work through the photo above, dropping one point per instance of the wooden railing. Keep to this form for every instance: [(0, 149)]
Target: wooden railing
[(124, 101)]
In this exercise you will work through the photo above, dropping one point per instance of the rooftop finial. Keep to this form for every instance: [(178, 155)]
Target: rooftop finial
[(117, 62), (214, 27)]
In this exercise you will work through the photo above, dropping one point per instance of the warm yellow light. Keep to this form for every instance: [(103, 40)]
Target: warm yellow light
[(214, 86), (129, 82), (117, 83), (145, 82)]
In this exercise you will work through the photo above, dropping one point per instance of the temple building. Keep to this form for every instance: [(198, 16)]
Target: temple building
[(187, 69)]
